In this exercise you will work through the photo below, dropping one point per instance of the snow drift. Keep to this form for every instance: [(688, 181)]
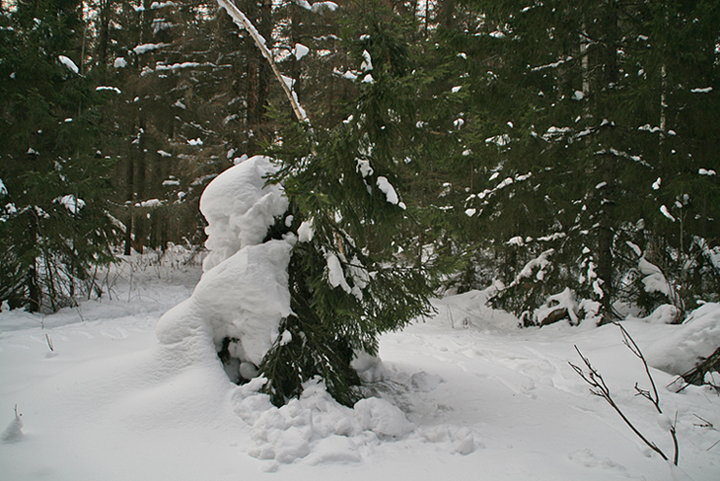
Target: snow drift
[(689, 343)]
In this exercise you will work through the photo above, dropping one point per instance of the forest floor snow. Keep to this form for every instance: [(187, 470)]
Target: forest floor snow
[(463, 395)]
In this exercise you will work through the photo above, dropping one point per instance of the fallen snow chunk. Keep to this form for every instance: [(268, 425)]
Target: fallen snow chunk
[(708, 172), (164, 154), (578, 95), (382, 418), (368, 79), (120, 62), (334, 450), (657, 183), (705, 90), (456, 89), (464, 441), (68, 63), (3, 189), (425, 382), (369, 368), (470, 212)]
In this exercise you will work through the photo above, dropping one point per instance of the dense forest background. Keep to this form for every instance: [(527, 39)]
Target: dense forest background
[(558, 149)]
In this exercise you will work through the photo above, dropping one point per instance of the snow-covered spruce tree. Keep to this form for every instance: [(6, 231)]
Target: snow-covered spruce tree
[(348, 278), (53, 222)]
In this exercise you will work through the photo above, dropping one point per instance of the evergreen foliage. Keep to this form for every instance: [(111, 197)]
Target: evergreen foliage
[(54, 227), (350, 280), (578, 113)]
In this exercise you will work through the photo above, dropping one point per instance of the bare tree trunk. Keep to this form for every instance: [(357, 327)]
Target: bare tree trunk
[(608, 168)]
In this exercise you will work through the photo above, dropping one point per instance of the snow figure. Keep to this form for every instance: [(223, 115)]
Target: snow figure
[(243, 293)]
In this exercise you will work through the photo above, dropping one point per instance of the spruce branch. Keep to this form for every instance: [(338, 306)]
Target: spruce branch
[(598, 387)]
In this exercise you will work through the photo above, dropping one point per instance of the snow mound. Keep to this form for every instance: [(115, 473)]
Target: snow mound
[(697, 338), (239, 208), (244, 297), (13, 432), (665, 314), (243, 294), (315, 427), (470, 309)]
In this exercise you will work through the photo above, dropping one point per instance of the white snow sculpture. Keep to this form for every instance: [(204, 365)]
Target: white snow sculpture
[(239, 208), (243, 293)]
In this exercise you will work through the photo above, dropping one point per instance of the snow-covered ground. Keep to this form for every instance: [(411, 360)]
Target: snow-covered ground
[(465, 395)]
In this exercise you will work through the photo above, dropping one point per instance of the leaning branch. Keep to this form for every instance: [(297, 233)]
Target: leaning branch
[(243, 22)]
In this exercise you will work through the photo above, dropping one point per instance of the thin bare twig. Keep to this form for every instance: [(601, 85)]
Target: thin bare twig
[(709, 425), (599, 388)]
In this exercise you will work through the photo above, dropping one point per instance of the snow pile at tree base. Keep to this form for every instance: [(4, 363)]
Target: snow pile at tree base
[(315, 426), (691, 342)]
